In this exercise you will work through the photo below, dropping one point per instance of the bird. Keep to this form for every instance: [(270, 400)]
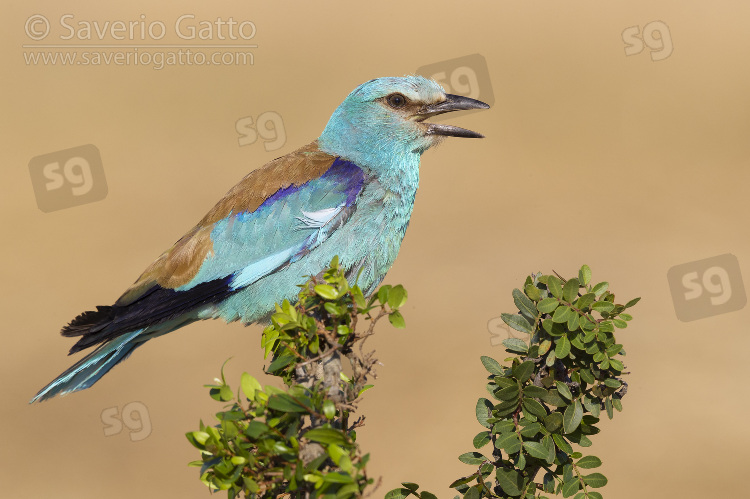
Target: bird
[(349, 193)]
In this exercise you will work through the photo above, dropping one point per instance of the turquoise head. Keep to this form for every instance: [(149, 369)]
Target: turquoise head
[(381, 124)]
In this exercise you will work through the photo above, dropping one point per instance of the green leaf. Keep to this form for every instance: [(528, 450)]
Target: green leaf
[(570, 290), (517, 322), (286, 403), (613, 383), (521, 461), (561, 314), (464, 480), (562, 349), (472, 458), (550, 445), (397, 319), (198, 438), (523, 303), (504, 382), (570, 487), (534, 391), (600, 288), (616, 364), (549, 483), (554, 286), (585, 301), (329, 409), (548, 305), (411, 486), (550, 359), (363, 389), (617, 403), (619, 323), (562, 444), (563, 389), (595, 480), (510, 481), (632, 302), (516, 345), (492, 365), (544, 347), (503, 426), (553, 421), (533, 292), (383, 293), (573, 320), (225, 393), (472, 493), (483, 412), (534, 407), (587, 376), (337, 477), (255, 429), (603, 306), (397, 297), (359, 298), (509, 442), (606, 326), (508, 393), (553, 328), (530, 431), (399, 493), (572, 417), (326, 291), (536, 449), (281, 362), (482, 439), (249, 386), (608, 407), (584, 275), (523, 371), (326, 436), (589, 462)]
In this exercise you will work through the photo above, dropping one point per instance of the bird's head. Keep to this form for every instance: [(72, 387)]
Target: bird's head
[(383, 121)]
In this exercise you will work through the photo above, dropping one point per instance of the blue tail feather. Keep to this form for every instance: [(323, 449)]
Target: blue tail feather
[(91, 368)]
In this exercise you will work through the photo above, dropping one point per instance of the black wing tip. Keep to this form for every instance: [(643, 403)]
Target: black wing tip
[(85, 322)]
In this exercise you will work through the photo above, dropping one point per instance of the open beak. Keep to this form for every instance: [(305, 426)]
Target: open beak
[(451, 103)]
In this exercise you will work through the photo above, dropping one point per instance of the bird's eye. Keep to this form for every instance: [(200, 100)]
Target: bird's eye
[(396, 101)]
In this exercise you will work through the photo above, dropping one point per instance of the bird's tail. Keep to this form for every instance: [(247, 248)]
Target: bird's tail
[(89, 369)]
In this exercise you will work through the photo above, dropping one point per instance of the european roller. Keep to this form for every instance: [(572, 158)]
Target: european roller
[(349, 193)]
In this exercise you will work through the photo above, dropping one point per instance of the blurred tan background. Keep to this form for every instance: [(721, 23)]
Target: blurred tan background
[(632, 164)]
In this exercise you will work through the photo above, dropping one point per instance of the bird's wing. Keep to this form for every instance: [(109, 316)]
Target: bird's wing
[(273, 217)]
